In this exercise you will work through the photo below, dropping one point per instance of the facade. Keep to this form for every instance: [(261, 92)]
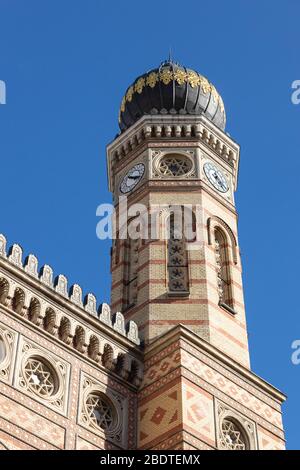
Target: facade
[(172, 370)]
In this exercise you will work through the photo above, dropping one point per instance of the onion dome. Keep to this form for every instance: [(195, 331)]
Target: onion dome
[(171, 89)]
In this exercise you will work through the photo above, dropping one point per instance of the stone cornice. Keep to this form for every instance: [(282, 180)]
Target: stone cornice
[(164, 128), (180, 332)]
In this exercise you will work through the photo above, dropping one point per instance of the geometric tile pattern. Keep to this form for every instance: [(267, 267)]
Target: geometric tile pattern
[(228, 387), (161, 368), (201, 382), (213, 377), (268, 441), (198, 412), (32, 422), (169, 352), (160, 415)]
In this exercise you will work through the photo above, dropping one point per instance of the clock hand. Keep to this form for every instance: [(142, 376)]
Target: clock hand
[(132, 178), (218, 179)]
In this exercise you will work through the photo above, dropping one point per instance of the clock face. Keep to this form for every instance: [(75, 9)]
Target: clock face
[(216, 177), (132, 178)]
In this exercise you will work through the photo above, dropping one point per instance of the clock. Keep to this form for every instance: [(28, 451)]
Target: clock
[(132, 178), (216, 177)]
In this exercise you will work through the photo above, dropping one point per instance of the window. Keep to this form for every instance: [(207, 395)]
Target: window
[(177, 258), (223, 270), (232, 435), (101, 411), (40, 377), (175, 166)]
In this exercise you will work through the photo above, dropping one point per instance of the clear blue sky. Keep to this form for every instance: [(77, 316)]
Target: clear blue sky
[(66, 65)]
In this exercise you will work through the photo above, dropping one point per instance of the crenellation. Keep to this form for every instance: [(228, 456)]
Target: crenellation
[(133, 332), (76, 295), (90, 304), (31, 265), (61, 285), (119, 323), (105, 314), (15, 255), (2, 245), (46, 275), (23, 302)]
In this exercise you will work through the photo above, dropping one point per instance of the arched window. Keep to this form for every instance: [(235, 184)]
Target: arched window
[(177, 256), (131, 272), (232, 435), (223, 269)]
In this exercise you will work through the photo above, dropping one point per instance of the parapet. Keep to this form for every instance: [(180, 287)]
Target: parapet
[(59, 285)]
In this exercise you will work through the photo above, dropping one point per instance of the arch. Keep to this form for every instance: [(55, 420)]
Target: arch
[(108, 357), (134, 376), (34, 311), (79, 339), (50, 321), (4, 289), (224, 281), (64, 330), (18, 300), (120, 363), (94, 348), (122, 367), (214, 222)]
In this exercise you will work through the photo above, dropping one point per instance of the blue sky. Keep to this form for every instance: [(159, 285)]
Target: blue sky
[(66, 65)]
